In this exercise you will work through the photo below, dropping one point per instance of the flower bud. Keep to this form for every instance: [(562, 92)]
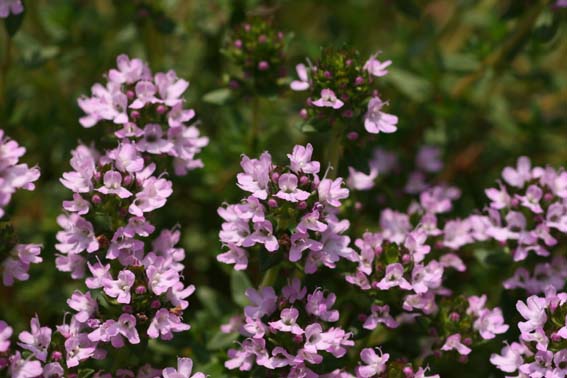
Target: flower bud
[(155, 304), (302, 205), (454, 317), (262, 38), (303, 113), (352, 136), (128, 180), (135, 114), (56, 355), (238, 44), (275, 176), (161, 109), (272, 203), (140, 289), (263, 65), (96, 199), (408, 371), (131, 95), (359, 80)]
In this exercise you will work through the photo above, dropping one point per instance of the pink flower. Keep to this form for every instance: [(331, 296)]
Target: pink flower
[(129, 70), (8, 7), (332, 191), (293, 291), (184, 370), (263, 234), (490, 323), (300, 160), (24, 368), (320, 306), (113, 185), (531, 200), (120, 288), (328, 99), (164, 323), (289, 190), (5, 334), (235, 255), (533, 312), (375, 67), (511, 357), (376, 121), (145, 93), (453, 342), (393, 277), (170, 87), (380, 315), (78, 348), (361, 181), (518, 177), (288, 322), (37, 341), (77, 235), (374, 364), (84, 304), (303, 82), (263, 302), (153, 195), (256, 175)]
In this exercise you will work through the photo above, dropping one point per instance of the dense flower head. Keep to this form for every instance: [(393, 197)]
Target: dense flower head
[(540, 350), (13, 174), (148, 112), (257, 53), (341, 88), (290, 211), (289, 332)]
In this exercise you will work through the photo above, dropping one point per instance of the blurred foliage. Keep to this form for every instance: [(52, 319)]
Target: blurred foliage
[(486, 81)]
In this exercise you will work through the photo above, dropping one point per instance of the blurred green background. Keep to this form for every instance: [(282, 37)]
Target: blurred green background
[(486, 81)]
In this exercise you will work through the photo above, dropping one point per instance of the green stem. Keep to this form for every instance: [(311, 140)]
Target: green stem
[(335, 149), (4, 68), (254, 129), (270, 276)]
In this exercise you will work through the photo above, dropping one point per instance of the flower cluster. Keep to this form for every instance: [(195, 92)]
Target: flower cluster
[(290, 210), (541, 350), (16, 257), (257, 51), (290, 332), (134, 278), (39, 354), (341, 88), (13, 175), (8, 7), (149, 109)]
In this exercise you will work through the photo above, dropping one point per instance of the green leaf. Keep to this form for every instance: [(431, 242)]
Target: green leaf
[(413, 86), (221, 340), (239, 282), (210, 300), (85, 373), (218, 96), (13, 23)]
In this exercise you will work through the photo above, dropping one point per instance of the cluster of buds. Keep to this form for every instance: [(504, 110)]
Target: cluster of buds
[(149, 109), (541, 350), (257, 52), (341, 88), (290, 210), (290, 333)]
